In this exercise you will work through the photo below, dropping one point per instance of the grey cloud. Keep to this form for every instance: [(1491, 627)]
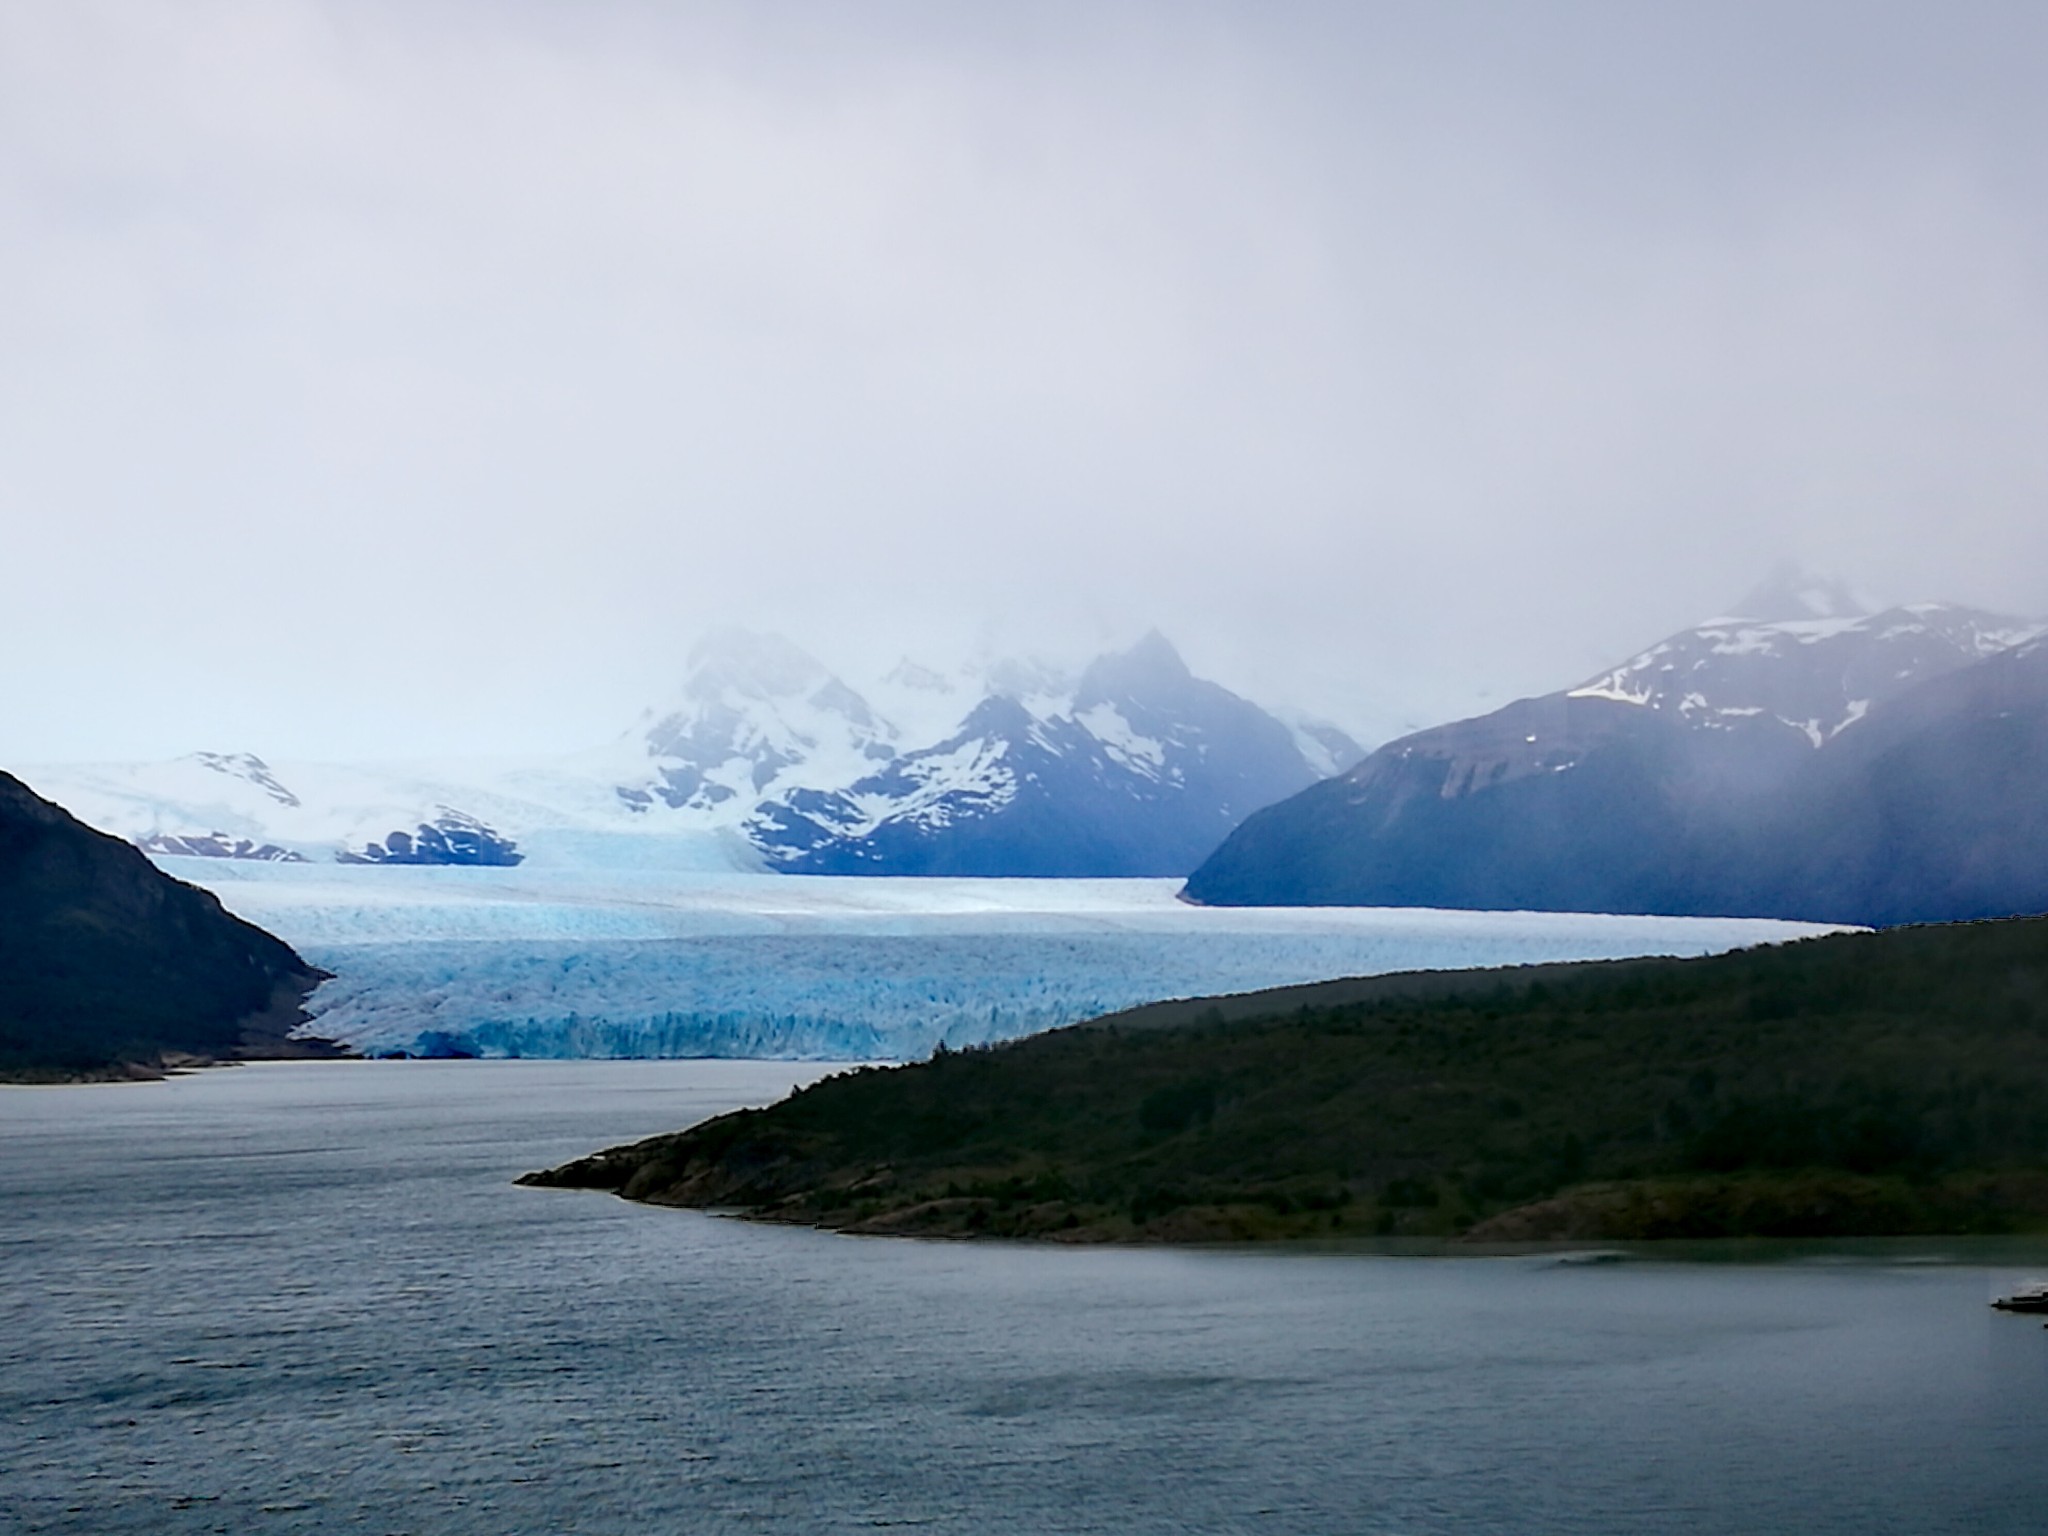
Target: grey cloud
[(382, 378)]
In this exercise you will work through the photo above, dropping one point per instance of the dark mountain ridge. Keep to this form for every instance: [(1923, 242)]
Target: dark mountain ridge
[(109, 967), (1866, 768)]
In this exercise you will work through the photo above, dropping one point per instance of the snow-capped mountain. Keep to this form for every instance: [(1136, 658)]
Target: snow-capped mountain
[(765, 758), (236, 805), (1803, 657), (755, 717), (1685, 780), (1140, 770), (758, 717)]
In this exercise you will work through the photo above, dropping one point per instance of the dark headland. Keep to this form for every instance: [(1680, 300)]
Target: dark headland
[(110, 968), (1856, 1084)]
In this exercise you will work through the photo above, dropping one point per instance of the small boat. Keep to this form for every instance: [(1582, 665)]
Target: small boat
[(2033, 1299)]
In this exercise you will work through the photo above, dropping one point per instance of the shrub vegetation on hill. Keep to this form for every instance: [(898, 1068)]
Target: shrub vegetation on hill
[(1858, 1083)]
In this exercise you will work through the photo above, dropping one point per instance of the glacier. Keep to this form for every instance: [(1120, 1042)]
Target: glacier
[(654, 961)]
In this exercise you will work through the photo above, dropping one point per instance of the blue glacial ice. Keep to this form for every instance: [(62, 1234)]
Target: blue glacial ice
[(649, 963)]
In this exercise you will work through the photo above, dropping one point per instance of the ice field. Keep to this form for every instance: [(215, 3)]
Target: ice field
[(660, 962)]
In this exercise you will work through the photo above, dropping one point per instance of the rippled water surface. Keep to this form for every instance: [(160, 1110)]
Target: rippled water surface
[(308, 1298)]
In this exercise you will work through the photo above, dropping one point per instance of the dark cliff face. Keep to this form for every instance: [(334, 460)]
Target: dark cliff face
[(106, 962)]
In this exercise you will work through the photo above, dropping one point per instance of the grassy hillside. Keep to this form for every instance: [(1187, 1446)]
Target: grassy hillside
[(1860, 1083)]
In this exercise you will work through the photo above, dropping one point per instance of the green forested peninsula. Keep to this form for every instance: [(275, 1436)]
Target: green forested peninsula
[(1866, 1083)]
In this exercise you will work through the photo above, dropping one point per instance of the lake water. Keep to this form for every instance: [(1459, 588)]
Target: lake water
[(308, 1298)]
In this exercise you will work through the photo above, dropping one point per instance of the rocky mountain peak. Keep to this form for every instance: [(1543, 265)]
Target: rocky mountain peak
[(918, 677), (755, 706), (1791, 593), (746, 664), (249, 767), (1138, 770), (1152, 668)]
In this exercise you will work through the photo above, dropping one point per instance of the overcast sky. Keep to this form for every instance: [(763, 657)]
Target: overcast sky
[(423, 377)]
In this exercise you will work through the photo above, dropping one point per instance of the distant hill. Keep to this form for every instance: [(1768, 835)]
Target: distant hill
[(1796, 759), (109, 967), (1855, 1084)]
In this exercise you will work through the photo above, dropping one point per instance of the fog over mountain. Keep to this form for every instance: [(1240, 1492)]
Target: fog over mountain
[(1799, 755), (765, 759), (411, 379)]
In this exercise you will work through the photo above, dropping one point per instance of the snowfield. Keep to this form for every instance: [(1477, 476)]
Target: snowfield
[(664, 962)]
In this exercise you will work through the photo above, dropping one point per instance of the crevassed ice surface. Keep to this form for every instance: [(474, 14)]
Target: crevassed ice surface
[(627, 962)]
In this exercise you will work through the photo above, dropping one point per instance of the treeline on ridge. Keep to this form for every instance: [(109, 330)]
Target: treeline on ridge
[(1856, 1083)]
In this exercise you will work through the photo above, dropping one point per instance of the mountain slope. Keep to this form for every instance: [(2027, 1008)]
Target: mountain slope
[(767, 758), (1936, 809), (757, 715), (754, 715), (237, 805), (1715, 773), (105, 962), (1141, 771)]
